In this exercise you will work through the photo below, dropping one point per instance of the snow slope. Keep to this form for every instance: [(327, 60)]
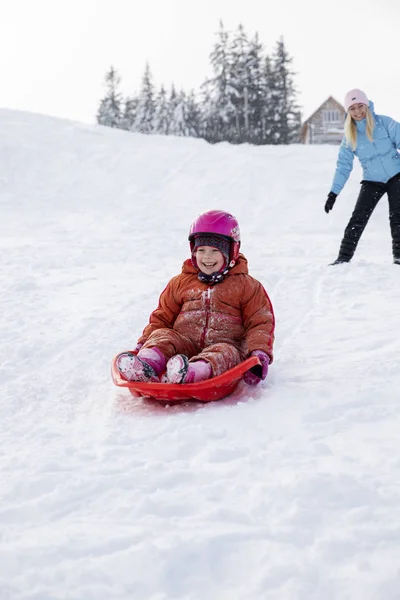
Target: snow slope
[(290, 491)]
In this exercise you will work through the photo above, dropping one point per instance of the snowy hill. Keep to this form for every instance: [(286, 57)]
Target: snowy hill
[(287, 492)]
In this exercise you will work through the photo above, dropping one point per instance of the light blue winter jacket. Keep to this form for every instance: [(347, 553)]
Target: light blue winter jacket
[(379, 159)]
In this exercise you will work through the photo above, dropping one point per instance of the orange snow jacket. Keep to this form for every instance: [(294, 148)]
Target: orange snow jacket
[(237, 310)]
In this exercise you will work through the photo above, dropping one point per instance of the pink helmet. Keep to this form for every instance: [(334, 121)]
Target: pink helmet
[(220, 223)]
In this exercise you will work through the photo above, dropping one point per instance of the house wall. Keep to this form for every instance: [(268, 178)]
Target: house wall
[(321, 129)]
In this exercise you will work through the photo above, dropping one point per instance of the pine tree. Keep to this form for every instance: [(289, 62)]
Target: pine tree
[(212, 131), (146, 105), (270, 113), (129, 113), (250, 98), (180, 114), (247, 87), (295, 126), (239, 79), (174, 112), (109, 112), (161, 115), (217, 93), (255, 91), (193, 116), (283, 96)]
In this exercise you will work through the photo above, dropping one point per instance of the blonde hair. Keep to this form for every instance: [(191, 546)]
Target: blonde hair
[(350, 128)]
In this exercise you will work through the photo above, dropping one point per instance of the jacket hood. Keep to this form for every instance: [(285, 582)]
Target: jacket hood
[(239, 268)]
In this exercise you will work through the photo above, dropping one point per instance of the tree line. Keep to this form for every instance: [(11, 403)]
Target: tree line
[(250, 97)]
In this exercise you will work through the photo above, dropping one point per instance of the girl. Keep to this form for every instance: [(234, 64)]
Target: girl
[(375, 140), (210, 317)]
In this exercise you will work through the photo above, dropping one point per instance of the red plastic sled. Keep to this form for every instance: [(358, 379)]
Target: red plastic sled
[(204, 391)]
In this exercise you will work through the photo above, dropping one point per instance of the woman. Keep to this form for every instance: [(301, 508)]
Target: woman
[(375, 140)]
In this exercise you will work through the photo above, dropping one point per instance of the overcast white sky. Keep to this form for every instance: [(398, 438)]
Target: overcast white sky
[(54, 53)]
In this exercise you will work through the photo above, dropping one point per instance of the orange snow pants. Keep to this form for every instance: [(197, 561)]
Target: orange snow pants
[(221, 356)]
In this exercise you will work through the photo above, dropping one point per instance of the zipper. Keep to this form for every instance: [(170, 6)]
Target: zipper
[(380, 158), (207, 306)]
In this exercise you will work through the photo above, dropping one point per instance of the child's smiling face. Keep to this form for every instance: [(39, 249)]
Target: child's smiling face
[(209, 259)]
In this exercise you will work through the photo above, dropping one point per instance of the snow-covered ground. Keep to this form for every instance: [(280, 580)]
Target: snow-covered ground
[(290, 491)]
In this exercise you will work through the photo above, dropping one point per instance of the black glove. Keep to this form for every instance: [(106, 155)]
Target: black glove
[(330, 202)]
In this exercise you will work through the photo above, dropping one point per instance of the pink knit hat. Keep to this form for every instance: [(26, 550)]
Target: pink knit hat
[(355, 97)]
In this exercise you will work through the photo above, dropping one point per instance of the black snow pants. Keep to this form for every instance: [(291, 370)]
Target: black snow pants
[(370, 194)]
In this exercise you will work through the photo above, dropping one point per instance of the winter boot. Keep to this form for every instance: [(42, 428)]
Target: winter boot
[(180, 370), (346, 251), (396, 261), (339, 261), (147, 365)]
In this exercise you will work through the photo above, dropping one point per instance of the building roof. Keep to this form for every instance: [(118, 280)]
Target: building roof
[(340, 106)]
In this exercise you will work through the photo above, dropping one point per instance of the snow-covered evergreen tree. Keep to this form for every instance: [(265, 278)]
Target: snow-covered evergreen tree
[(174, 112), (193, 116), (129, 114), (283, 97), (109, 112), (217, 104), (180, 115), (161, 114), (255, 91), (239, 76), (145, 110), (271, 107), (246, 87), (295, 126), (250, 98)]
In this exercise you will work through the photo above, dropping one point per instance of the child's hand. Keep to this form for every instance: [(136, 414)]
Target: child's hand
[(259, 372)]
